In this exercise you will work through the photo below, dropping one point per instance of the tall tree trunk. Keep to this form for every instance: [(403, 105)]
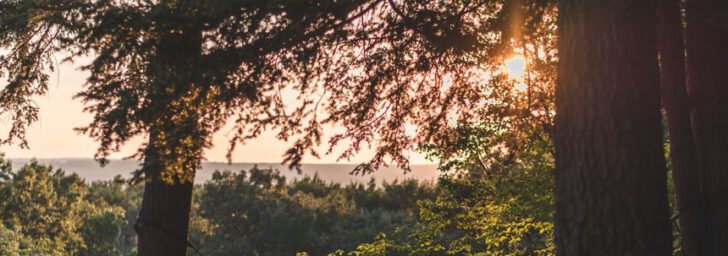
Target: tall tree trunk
[(176, 140), (611, 180), (707, 55), (694, 227)]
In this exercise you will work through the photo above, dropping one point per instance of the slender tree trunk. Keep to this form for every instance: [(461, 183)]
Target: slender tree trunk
[(611, 180), (694, 225), (707, 45)]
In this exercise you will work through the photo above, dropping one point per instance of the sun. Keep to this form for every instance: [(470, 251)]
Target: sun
[(515, 67)]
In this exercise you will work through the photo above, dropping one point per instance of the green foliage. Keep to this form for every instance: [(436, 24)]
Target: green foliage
[(118, 194), (102, 231), (13, 243), (507, 215), (9, 242), (45, 205), (47, 212), (257, 212)]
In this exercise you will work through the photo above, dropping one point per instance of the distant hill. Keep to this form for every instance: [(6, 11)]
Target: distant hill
[(338, 173)]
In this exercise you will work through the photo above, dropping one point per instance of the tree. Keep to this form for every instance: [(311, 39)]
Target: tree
[(47, 212), (116, 193), (44, 204), (611, 194), (707, 58), (174, 71), (694, 223)]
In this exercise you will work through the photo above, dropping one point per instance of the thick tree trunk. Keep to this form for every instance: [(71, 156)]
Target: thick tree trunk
[(694, 227), (611, 180), (164, 217), (707, 45), (162, 225)]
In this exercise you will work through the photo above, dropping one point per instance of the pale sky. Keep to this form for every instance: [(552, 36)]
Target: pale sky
[(53, 135)]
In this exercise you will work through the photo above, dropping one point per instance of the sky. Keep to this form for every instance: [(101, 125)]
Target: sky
[(53, 136)]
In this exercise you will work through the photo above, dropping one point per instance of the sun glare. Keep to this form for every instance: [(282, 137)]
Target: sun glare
[(521, 87), (515, 67)]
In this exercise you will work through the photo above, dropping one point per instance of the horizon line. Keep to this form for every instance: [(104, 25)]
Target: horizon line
[(209, 162)]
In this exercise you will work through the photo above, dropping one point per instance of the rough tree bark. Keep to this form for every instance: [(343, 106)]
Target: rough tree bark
[(611, 179), (694, 227), (707, 58), (162, 226)]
